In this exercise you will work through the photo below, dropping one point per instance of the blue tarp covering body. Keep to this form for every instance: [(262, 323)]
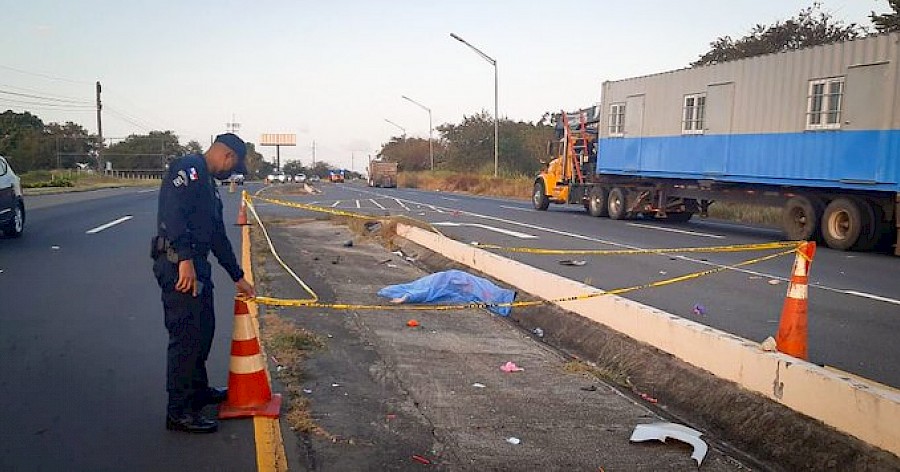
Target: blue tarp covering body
[(452, 286)]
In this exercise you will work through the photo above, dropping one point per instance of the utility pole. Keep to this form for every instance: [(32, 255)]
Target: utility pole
[(352, 157), (99, 131), (314, 153)]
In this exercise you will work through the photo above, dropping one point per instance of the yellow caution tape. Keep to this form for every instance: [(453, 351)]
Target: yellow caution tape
[(271, 301), (623, 252), (315, 303)]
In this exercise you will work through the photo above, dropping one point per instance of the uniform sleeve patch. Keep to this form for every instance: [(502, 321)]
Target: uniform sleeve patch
[(192, 173), (180, 179)]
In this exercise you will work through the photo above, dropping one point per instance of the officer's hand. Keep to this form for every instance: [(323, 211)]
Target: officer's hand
[(244, 288), (187, 277)]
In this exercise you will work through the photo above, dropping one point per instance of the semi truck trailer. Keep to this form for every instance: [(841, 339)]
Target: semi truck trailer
[(814, 131), (382, 174)]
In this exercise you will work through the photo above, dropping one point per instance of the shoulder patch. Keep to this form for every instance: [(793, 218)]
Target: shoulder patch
[(180, 179), (192, 173)]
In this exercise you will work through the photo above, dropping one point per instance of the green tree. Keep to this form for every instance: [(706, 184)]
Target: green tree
[(257, 167), (811, 27), (193, 147), (410, 154), (147, 151), (887, 22)]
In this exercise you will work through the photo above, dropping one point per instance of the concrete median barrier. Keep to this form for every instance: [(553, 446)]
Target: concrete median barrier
[(865, 410)]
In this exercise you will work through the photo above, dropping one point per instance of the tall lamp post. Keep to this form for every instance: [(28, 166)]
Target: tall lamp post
[(496, 113), (430, 130), (402, 129)]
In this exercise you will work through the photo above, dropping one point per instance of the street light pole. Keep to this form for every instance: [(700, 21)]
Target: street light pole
[(493, 62), (430, 130), (402, 129)]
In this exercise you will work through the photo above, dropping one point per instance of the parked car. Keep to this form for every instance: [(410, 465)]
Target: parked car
[(12, 205), (314, 178), (300, 178), (236, 178)]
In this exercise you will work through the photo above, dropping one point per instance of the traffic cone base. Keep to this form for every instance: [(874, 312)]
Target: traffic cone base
[(249, 393), (793, 329)]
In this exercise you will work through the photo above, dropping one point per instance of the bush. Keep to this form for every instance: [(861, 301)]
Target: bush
[(54, 181)]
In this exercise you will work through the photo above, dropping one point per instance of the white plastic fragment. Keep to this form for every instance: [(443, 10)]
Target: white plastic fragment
[(513, 440), (478, 385), (768, 345), (663, 431)]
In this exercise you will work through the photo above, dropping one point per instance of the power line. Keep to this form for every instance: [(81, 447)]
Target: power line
[(121, 113), (128, 120), (48, 95), (57, 106), (46, 76), (51, 99)]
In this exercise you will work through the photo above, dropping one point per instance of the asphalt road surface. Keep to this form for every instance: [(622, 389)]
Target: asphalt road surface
[(854, 299), (82, 344)]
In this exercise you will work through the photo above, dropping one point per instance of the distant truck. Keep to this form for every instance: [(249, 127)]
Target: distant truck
[(382, 174), (814, 131)]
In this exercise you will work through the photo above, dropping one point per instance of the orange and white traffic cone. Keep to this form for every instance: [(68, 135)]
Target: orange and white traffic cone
[(242, 211), (249, 393), (793, 328)]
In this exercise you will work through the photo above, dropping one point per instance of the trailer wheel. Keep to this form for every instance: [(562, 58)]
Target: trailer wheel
[(870, 233), (617, 203), (539, 197), (842, 223), (597, 202), (801, 217)]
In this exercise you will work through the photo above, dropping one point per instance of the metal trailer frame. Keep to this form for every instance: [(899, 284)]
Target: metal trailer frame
[(816, 130)]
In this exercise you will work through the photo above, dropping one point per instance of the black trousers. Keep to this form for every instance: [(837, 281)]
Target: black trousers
[(191, 322)]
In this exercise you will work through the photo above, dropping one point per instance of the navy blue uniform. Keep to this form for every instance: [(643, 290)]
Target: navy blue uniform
[(189, 227)]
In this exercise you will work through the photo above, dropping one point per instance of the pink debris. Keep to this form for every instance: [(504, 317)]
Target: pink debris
[(511, 367)]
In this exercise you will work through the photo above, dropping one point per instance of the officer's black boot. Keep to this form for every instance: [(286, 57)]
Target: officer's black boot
[(191, 423)]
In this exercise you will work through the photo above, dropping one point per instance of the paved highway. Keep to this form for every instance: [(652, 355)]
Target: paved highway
[(854, 300), (82, 345)]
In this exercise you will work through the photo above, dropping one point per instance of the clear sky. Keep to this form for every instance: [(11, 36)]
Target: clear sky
[(332, 71)]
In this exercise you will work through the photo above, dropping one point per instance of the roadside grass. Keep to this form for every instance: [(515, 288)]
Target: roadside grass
[(521, 186), (47, 181)]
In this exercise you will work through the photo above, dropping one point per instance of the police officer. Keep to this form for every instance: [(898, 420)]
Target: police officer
[(189, 227)]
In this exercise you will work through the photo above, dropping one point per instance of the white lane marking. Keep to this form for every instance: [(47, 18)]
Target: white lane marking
[(489, 228), (335, 203), (435, 209), (674, 230), (357, 204), (873, 297), (377, 204), (401, 204), (451, 199), (148, 191), (108, 225), (515, 208), (629, 246)]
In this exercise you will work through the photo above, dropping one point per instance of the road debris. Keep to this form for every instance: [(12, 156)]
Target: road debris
[(421, 459), (348, 243), (372, 226), (538, 332), (514, 440), (590, 388), (479, 385), (648, 398), (663, 431), (698, 309), (412, 324), (570, 262), (774, 281), (335, 385), (510, 367), (768, 345), (307, 391)]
